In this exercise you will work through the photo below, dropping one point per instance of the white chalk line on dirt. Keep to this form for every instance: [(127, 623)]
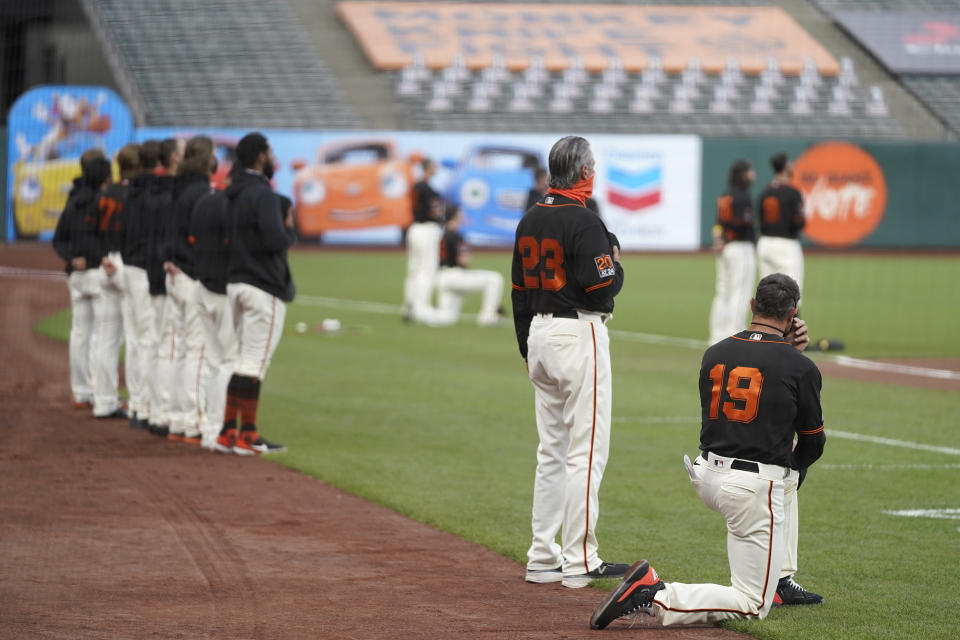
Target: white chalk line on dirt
[(645, 338), (32, 274)]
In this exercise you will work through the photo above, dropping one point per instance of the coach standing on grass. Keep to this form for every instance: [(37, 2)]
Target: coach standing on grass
[(566, 272), (258, 287)]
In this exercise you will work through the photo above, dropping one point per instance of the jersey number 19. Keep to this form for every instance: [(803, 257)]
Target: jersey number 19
[(749, 395)]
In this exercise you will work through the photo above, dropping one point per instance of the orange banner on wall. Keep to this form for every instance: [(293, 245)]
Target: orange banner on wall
[(391, 33)]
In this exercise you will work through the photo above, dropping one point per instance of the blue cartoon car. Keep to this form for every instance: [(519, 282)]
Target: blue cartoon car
[(491, 184)]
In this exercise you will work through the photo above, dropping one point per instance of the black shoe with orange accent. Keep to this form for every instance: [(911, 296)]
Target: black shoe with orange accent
[(226, 441), (251, 443), (634, 593), (789, 592)]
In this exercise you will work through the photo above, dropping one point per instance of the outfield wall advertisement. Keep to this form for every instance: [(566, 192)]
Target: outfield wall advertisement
[(353, 188)]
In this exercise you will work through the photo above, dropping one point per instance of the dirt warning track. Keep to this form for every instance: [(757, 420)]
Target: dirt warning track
[(107, 532)]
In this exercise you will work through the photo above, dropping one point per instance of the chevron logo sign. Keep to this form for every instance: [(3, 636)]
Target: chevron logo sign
[(634, 188)]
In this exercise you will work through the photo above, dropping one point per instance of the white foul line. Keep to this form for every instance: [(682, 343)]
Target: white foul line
[(902, 444), (943, 514), (890, 367), (645, 338), (886, 467)]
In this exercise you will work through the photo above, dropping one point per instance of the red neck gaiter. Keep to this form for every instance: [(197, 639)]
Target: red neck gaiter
[(579, 192)]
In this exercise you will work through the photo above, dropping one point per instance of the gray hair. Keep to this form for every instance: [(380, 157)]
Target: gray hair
[(567, 157), (777, 295)]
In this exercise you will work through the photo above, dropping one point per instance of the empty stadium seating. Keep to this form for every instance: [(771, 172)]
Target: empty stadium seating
[(220, 63), (729, 103)]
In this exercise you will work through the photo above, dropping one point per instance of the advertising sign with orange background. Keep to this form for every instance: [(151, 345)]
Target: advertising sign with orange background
[(844, 192), (391, 33)]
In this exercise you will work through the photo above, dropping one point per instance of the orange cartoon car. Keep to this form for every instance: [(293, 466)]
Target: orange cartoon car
[(354, 185)]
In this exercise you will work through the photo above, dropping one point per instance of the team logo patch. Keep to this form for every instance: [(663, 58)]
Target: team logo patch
[(605, 265), (548, 200), (756, 336)]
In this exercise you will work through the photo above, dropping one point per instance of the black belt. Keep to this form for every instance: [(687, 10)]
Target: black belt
[(567, 313), (739, 465)]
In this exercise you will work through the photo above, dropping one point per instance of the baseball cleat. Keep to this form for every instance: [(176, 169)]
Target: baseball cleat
[(174, 437), (192, 439), (634, 593), (225, 441), (789, 592), (252, 443), (158, 430), (117, 413), (605, 570), (544, 576)]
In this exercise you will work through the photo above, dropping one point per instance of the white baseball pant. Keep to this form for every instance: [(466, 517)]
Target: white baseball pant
[(731, 302), (780, 255), (220, 351), (186, 402), (258, 320), (108, 335), (81, 333), (568, 362), (131, 340), (423, 261), (754, 507), (454, 282), (144, 330), (163, 360)]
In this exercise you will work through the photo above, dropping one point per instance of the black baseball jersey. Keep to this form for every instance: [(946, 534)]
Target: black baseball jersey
[(756, 392), (426, 203), (110, 216), (451, 247), (735, 215), (781, 211), (562, 260)]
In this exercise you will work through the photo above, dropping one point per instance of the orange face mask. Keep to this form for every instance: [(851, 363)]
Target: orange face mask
[(579, 192)]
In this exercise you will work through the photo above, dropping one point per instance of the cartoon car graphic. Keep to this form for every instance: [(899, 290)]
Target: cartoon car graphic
[(354, 185), (491, 184), (40, 190)]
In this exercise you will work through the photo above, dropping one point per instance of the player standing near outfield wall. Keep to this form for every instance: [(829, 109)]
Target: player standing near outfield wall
[(258, 287), (757, 393), (733, 237), (566, 272), (83, 196), (781, 219), (423, 238)]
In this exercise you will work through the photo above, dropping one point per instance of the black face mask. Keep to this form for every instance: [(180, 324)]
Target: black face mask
[(268, 169)]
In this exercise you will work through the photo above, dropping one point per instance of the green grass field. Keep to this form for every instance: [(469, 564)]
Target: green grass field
[(438, 425)]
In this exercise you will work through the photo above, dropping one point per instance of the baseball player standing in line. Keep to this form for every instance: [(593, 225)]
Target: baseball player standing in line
[(210, 229), (258, 286), (781, 219), (733, 237), (193, 182), (160, 203), (423, 238), (566, 272), (84, 193), (757, 392), (108, 307), (455, 279), (136, 248)]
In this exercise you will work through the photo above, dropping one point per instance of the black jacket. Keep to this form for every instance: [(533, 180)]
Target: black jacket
[(258, 238), (159, 203), (210, 232), (61, 236), (111, 220), (79, 237), (187, 189), (137, 225)]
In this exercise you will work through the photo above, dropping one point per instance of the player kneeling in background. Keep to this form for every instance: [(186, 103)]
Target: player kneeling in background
[(757, 391), (456, 279), (258, 286)]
